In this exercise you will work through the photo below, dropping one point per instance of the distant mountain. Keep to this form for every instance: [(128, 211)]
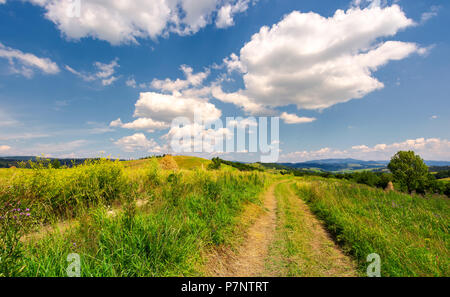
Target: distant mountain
[(6, 162), (19, 158), (342, 165), (438, 163), (337, 165), (347, 161)]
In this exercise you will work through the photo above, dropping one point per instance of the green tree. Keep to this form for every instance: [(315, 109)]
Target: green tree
[(56, 164), (409, 170), (215, 165)]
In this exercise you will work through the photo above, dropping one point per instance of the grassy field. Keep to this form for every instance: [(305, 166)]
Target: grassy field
[(121, 221), (410, 233), (165, 216), (7, 173)]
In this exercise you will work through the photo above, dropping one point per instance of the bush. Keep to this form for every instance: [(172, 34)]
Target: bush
[(447, 190), (65, 193), (215, 165), (16, 220), (367, 178)]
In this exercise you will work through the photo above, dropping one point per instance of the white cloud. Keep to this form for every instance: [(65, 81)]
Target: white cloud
[(104, 72), (294, 119), (433, 12), (118, 21), (434, 117), (234, 64), (109, 81), (226, 13), (22, 136), (86, 77), (25, 63), (98, 128), (50, 149), (156, 111), (141, 124), (225, 17), (4, 148), (175, 99), (131, 82), (240, 100), (429, 149), (209, 136), (316, 62), (138, 142), (165, 108), (192, 80)]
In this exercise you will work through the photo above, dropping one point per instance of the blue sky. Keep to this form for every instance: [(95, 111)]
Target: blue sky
[(359, 79)]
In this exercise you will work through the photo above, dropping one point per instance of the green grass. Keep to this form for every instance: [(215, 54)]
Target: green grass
[(63, 193), (410, 233), (7, 173), (185, 213), (301, 247), (184, 162), (189, 163), (135, 219)]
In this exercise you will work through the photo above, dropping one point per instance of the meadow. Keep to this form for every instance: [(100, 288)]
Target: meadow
[(123, 219), (409, 232), (167, 216)]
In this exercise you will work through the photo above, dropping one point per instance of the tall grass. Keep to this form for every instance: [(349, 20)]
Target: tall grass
[(64, 193), (410, 233), (185, 213)]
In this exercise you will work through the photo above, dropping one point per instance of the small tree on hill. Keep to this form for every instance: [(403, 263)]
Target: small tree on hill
[(56, 164), (215, 165), (409, 170)]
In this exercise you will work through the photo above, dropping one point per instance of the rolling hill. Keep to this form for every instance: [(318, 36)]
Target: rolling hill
[(343, 165)]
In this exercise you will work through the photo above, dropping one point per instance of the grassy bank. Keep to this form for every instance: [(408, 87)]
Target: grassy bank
[(144, 222), (410, 233)]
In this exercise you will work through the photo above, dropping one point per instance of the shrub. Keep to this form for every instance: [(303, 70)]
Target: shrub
[(367, 178), (16, 220), (215, 165)]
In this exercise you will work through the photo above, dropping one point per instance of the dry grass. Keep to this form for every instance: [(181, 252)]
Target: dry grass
[(168, 163)]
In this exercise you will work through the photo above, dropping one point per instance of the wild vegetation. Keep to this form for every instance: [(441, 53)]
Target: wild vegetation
[(181, 214), (409, 232), (164, 217), (408, 172)]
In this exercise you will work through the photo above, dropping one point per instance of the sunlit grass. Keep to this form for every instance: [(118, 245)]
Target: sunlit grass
[(410, 233), (184, 213)]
